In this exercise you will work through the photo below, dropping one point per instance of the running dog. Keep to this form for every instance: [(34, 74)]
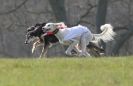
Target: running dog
[(74, 34), (34, 33)]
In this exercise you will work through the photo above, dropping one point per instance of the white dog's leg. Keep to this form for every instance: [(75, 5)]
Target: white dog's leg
[(85, 39), (77, 49), (71, 46)]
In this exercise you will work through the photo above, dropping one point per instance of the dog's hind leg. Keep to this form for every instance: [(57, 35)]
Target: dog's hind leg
[(41, 55), (95, 48), (85, 39)]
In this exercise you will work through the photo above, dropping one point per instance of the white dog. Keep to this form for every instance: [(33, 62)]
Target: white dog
[(79, 34)]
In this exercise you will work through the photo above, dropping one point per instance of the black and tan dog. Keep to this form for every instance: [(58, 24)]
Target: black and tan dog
[(34, 33)]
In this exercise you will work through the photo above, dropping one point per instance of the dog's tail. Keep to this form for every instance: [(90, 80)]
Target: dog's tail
[(106, 35)]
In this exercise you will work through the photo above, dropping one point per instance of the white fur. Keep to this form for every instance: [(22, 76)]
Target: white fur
[(107, 33), (65, 36), (50, 26)]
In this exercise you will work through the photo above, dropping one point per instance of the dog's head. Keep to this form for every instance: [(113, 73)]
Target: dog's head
[(30, 35), (49, 27), (34, 32)]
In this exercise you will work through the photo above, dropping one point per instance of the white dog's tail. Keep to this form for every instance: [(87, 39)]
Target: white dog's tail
[(107, 33)]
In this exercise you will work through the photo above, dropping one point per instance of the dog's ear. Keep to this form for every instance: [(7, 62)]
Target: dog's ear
[(43, 24), (55, 25), (38, 24)]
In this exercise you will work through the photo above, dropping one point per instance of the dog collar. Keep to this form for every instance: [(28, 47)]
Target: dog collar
[(55, 31)]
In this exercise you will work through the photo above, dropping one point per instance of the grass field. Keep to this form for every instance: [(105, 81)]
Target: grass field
[(67, 72)]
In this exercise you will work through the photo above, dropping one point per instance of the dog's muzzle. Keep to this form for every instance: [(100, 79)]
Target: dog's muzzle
[(45, 29)]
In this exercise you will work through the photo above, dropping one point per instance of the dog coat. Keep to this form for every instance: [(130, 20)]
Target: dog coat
[(76, 31)]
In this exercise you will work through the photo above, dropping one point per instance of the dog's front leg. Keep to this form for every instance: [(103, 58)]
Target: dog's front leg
[(77, 49), (44, 50), (35, 44)]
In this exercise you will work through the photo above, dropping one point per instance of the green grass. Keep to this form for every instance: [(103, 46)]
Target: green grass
[(67, 72)]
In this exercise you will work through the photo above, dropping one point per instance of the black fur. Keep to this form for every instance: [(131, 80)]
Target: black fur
[(37, 32)]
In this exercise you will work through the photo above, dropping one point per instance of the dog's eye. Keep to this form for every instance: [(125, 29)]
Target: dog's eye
[(48, 25)]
